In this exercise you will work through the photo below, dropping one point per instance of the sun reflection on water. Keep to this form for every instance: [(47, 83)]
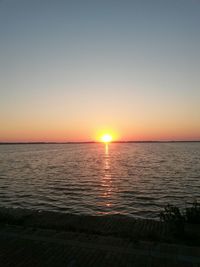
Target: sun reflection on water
[(107, 180)]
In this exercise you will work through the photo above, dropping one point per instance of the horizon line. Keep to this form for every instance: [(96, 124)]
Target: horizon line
[(98, 142)]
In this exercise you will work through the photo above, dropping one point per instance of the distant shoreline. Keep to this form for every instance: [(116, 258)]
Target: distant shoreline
[(94, 142)]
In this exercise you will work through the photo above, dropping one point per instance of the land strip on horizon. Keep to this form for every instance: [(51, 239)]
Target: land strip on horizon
[(99, 142)]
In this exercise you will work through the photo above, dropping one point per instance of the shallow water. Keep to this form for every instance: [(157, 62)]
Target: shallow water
[(135, 179)]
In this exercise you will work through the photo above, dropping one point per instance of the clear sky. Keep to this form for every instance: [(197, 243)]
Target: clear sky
[(70, 70)]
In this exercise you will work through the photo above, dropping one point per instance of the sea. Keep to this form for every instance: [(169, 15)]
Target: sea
[(133, 179)]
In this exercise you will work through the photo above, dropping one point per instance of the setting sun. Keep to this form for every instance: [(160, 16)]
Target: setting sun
[(106, 138)]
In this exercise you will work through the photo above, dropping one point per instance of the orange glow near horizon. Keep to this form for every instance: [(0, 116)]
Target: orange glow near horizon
[(81, 134), (36, 132)]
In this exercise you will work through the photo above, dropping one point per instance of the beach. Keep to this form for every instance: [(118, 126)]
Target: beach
[(35, 238), (99, 133)]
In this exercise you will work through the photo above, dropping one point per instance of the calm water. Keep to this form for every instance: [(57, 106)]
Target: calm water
[(132, 179)]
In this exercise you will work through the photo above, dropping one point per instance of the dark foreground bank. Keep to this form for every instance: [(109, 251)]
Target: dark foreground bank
[(32, 238)]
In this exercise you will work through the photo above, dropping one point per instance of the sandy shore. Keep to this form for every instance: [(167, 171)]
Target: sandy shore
[(113, 225), (32, 238)]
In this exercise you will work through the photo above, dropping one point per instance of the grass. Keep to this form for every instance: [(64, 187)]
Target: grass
[(184, 224), (173, 214)]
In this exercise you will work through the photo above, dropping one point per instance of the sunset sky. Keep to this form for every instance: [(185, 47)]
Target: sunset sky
[(73, 70)]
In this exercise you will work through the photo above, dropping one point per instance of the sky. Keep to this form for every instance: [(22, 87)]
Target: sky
[(72, 70)]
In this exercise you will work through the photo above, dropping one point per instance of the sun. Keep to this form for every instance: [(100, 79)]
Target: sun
[(106, 138)]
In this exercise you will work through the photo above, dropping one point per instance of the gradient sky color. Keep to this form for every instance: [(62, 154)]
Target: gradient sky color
[(71, 70)]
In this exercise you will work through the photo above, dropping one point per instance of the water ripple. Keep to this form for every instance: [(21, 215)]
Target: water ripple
[(132, 179)]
